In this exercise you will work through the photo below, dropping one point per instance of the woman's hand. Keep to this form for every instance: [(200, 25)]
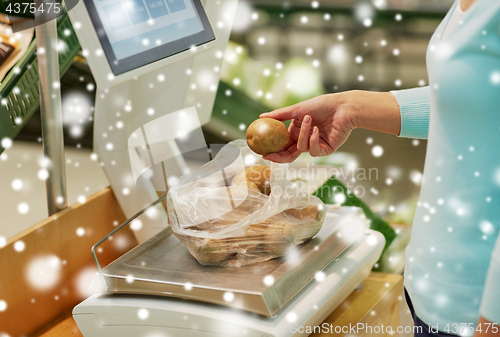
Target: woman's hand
[(322, 124), (485, 328), (319, 125)]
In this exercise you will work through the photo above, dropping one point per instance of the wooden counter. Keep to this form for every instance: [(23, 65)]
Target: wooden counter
[(45, 269), (375, 303)]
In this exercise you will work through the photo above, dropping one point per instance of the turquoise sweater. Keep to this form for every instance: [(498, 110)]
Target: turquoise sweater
[(452, 263)]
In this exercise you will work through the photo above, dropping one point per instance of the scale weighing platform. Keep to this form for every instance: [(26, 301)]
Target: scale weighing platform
[(171, 294)]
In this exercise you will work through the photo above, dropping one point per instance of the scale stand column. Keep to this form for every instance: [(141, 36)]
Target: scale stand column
[(51, 112)]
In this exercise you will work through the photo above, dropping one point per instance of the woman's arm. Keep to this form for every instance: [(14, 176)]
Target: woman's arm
[(322, 124)]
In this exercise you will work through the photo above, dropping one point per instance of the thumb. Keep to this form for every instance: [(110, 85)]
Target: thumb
[(283, 114)]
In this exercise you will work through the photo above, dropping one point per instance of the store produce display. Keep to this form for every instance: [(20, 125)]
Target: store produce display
[(333, 186)]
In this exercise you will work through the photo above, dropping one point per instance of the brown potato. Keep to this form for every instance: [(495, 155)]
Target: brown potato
[(307, 212), (260, 175), (267, 135)]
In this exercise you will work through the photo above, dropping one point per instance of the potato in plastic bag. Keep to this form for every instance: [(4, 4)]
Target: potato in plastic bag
[(240, 209)]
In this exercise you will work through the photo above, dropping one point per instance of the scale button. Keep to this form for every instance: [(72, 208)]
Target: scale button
[(136, 11), (176, 5)]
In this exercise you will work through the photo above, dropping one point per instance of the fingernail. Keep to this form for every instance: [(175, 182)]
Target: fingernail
[(264, 114), (307, 119), (315, 129)]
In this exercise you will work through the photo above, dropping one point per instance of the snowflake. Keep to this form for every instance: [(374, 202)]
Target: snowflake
[(495, 78), (44, 272), (377, 151), (291, 317), (129, 279), (23, 208), (17, 184), (136, 225), (143, 314), (416, 177), (320, 276), (486, 227), (228, 296), (6, 143), (80, 231)]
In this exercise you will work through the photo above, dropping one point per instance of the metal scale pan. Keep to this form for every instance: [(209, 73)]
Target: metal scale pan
[(162, 266)]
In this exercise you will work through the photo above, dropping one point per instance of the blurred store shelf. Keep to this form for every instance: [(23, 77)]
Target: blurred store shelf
[(424, 6)]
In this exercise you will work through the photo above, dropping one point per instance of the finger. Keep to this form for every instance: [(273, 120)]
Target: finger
[(282, 114), (305, 130), (288, 145), (294, 131), (284, 156), (279, 157), (314, 148)]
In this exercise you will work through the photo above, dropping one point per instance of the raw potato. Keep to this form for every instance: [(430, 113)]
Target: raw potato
[(271, 238), (310, 211), (267, 135), (260, 175)]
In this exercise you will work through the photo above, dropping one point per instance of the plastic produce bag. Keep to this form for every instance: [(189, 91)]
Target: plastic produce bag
[(240, 209)]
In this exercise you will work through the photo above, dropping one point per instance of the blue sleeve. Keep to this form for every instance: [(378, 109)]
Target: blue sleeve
[(415, 106), (490, 305)]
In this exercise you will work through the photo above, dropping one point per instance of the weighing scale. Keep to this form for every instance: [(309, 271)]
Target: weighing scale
[(159, 289), (157, 62)]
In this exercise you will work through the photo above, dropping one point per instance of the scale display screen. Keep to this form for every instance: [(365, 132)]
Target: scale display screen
[(134, 33)]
